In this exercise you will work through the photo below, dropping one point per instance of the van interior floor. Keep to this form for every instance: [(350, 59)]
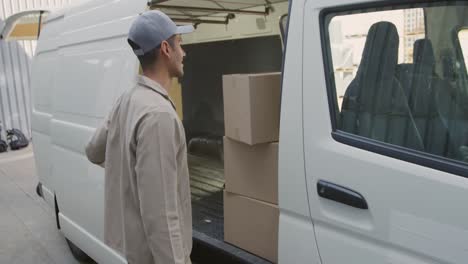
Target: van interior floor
[(207, 184)]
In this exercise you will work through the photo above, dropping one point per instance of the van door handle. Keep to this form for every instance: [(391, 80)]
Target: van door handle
[(341, 194)]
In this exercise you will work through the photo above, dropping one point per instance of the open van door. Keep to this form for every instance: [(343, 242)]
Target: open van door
[(386, 169), (23, 25)]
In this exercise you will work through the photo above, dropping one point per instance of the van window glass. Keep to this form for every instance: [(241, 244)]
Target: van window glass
[(463, 39), (397, 77)]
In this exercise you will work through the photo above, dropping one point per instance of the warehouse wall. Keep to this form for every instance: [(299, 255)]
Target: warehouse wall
[(15, 63)]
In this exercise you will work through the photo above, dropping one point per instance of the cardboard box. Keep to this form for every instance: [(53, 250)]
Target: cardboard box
[(251, 225), (252, 171), (252, 107)]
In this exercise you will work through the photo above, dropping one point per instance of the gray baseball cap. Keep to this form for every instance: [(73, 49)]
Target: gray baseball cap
[(151, 28)]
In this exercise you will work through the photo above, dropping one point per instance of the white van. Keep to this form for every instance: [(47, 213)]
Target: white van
[(373, 145)]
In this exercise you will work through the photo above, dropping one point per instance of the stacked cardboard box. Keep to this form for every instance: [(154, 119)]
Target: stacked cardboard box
[(251, 117)]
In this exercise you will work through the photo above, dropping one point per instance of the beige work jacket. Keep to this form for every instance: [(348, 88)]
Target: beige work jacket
[(142, 144)]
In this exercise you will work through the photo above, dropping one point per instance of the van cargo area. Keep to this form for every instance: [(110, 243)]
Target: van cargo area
[(207, 184), (252, 44), (203, 118)]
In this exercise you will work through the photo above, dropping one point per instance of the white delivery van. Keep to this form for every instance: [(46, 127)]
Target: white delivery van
[(373, 145)]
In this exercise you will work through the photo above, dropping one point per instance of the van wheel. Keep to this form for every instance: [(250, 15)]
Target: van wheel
[(77, 253)]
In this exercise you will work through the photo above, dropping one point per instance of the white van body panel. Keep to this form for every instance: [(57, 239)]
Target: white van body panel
[(45, 61), (90, 244), (96, 67), (296, 232), (85, 49)]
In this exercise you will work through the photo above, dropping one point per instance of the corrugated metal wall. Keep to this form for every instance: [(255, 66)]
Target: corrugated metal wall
[(15, 61)]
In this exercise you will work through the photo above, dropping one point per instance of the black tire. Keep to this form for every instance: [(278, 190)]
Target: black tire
[(78, 254)]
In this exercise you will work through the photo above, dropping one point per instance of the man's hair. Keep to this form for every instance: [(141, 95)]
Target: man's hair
[(148, 59)]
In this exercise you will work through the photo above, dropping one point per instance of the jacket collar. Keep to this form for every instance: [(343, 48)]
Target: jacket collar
[(147, 82)]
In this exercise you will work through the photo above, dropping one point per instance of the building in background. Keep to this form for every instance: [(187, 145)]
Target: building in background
[(15, 59), (413, 30)]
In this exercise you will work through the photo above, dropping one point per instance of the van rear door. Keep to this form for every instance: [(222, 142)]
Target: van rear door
[(23, 25)]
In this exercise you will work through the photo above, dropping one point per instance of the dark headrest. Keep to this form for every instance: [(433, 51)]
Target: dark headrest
[(423, 53), (381, 50), (376, 71)]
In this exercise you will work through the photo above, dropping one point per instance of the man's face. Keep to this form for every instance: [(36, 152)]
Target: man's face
[(176, 66)]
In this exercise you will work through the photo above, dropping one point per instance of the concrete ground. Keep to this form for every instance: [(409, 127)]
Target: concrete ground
[(28, 233)]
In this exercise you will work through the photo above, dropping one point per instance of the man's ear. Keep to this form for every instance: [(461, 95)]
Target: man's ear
[(165, 48)]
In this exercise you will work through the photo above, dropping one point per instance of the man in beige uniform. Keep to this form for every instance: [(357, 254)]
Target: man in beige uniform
[(142, 145)]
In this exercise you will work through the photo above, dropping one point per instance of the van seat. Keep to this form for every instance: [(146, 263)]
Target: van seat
[(375, 105)]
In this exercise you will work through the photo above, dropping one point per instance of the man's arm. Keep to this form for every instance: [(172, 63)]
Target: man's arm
[(156, 172), (96, 147)]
